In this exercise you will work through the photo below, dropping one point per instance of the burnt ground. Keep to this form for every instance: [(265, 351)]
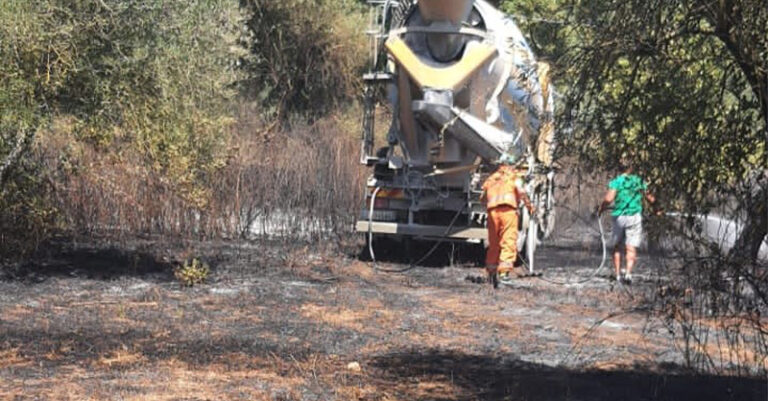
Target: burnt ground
[(98, 323)]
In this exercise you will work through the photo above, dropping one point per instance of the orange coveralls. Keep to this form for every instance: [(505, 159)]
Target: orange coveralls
[(502, 198)]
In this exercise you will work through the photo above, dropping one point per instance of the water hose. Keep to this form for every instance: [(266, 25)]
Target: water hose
[(413, 264), (370, 226), (597, 270)]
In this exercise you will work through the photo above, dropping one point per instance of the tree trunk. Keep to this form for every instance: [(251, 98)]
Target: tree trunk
[(739, 40), (13, 156), (747, 246)]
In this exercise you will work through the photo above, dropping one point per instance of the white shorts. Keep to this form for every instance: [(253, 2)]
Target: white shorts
[(627, 229)]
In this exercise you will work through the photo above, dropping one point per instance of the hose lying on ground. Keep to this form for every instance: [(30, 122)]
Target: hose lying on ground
[(597, 270), (413, 264)]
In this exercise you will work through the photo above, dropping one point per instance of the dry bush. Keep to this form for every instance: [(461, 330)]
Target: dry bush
[(304, 184), (192, 272), (116, 192), (300, 184), (713, 302), (578, 190)]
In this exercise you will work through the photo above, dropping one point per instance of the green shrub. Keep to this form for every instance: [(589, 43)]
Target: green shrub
[(130, 101), (192, 272), (27, 216), (306, 57)]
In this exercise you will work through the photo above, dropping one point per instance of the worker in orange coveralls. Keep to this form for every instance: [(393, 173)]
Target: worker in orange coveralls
[(502, 196)]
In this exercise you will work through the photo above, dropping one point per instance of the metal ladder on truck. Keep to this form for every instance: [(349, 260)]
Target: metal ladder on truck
[(381, 16)]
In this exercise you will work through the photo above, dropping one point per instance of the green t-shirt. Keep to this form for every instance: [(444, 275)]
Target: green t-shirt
[(629, 195)]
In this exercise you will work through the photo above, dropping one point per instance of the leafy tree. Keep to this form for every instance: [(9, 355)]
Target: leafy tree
[(155, 77), (544, 24), (305, 57), (150, 78), (682, 85), (35, 60)]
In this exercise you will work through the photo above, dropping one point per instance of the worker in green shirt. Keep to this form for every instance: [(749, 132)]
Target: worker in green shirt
[(626, 192)]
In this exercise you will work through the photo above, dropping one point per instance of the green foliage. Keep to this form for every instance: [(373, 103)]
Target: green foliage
[(155, 78), (192, 272), (542, 23), (146, 80), (657, 80), (27, 216), (131, 102), (305, 56), (34, 62), (680, 86)]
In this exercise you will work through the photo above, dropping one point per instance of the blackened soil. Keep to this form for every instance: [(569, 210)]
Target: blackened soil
[(279, 322)]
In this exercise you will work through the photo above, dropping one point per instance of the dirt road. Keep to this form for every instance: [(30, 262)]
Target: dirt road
[(108, 325)]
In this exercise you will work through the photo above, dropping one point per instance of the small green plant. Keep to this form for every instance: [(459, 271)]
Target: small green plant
[(192, 272)]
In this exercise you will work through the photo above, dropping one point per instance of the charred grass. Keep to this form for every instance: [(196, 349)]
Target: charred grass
[(288, 323)]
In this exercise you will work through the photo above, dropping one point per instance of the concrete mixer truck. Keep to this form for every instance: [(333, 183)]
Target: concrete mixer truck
[(463, 87)]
